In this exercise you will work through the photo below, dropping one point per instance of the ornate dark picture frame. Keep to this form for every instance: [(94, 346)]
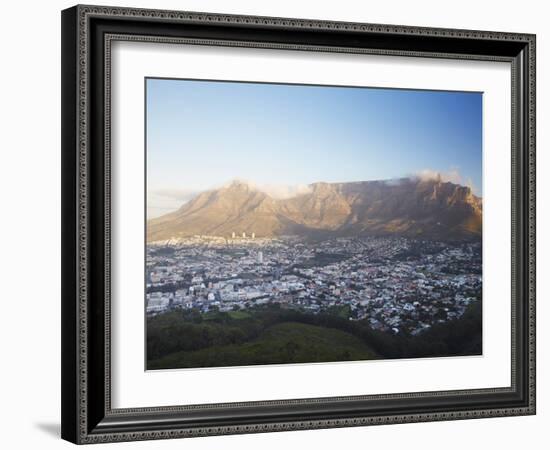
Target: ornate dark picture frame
[(87, 34)]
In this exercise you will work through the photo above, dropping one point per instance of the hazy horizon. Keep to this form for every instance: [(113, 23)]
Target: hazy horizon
[(282, 138)]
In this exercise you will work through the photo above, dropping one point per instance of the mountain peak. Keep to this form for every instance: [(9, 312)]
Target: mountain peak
[(238, 184)]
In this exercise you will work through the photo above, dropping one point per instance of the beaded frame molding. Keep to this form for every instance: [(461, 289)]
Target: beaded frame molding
[(87, 35)]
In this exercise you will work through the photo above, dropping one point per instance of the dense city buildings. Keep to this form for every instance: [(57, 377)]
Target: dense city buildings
[(398, 285)]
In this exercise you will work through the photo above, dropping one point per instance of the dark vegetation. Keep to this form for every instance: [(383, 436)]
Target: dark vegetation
[(274, 335), (322, 259), (283, 343)]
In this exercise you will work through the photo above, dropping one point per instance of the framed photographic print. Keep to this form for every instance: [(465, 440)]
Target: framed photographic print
[(280, 224)]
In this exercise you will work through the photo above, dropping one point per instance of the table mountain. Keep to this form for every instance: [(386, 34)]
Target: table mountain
[(430, 209)]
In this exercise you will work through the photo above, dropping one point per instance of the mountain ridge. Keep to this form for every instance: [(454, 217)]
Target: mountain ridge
[(412, 207)]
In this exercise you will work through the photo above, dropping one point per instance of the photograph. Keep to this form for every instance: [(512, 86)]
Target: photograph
[(294, 223)]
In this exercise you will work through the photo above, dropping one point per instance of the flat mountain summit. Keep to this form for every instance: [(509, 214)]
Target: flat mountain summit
[(410, 207)]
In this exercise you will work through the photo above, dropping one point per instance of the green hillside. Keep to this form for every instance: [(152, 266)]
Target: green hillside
[(287, 342), (274, 335)]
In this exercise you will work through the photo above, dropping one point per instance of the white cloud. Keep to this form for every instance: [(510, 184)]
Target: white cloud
[(452, 175), (285, 191)]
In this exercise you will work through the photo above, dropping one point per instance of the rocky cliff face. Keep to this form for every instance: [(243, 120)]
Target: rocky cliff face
[(429, 209)]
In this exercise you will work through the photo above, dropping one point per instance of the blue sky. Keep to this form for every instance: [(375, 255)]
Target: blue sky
[(203, 134)]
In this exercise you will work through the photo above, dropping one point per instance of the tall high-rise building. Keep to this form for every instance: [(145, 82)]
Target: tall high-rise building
[(244, 234), (253, 235), (260, 257), (233, 235)]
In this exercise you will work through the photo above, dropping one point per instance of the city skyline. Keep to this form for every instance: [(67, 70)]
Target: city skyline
[(203, 134)]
